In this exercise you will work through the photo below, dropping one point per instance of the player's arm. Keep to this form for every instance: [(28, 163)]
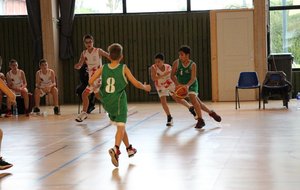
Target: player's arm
[(103, 53), (135, 82), (9, 82), (173, 72), (23, 79), (154, 75), (193, 76), (37, 80), (52, 78), (80, 62), (95, 76)]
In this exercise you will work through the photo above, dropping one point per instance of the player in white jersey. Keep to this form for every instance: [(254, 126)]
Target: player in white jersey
[(16, 81), (161, 75), (92, 57), (45, 83)]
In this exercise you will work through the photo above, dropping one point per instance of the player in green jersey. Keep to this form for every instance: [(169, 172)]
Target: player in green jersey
[(184, 73), (114, 81)]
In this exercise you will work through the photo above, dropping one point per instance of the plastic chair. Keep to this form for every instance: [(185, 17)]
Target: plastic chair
[(275, 85), (247, 80)]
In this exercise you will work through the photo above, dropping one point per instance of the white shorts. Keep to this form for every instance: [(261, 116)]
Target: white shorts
[(95, 87), (166, 91)]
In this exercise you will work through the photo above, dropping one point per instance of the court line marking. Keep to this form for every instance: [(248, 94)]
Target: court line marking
[(88, 151)]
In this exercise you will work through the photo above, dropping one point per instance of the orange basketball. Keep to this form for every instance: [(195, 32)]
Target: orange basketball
[(181, 91)]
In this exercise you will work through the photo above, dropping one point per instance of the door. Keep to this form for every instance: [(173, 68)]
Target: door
[(235, 52)]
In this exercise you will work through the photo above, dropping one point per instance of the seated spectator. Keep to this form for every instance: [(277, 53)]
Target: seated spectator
[(45, 84), (16, 81)]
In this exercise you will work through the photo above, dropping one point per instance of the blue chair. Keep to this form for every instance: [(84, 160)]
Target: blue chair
[(247, 80)]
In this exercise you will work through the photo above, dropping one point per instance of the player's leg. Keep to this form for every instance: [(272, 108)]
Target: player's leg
[(211, 113), (3, 164), (24, 94), (197, 106), (38, 93), (85, 103), (54, 92)]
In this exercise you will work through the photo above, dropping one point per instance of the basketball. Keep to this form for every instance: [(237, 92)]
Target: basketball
[(181, 91)]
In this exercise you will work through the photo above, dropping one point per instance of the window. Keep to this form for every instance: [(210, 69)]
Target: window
[(285, 28), (13, 7), (220, 4), (98, 6), (284, 2), (156, 5)]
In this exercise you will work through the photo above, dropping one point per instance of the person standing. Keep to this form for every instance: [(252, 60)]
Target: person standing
[(92, 57), (113, 94)]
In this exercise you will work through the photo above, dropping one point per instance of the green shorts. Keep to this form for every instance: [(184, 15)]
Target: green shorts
[(193, 89), (122, 118)]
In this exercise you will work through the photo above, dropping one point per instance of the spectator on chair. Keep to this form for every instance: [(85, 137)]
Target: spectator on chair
[(16, 81), (84, 81), (45, 83)]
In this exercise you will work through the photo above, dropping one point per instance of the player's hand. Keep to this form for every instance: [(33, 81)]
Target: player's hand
[(147, 87)]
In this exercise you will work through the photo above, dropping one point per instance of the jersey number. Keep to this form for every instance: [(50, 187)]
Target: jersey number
[(110, 85)]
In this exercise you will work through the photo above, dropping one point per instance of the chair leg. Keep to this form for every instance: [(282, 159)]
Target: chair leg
[(235, 98), (99, 106), (259, 97), (238, 98)]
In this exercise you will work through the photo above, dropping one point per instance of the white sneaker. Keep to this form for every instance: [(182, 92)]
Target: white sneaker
[(82, 116)]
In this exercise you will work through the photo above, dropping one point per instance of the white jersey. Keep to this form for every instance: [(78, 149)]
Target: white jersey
[(166, 81), (16, 79), (45, 78), (93, 60)]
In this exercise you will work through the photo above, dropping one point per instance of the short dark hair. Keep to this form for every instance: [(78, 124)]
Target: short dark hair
[(42, 61), (185, 49), (115, 51), (88, 36), (12, 61), (160, 56)]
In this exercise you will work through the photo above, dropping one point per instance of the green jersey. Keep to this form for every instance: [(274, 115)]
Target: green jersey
[(184, 75), (113, 93)]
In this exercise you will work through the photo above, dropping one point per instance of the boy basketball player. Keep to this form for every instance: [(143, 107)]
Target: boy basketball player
[(184, 73), (114, 77), (3, 164), (92, 57), (16, 81), (161, 75), (45, 83)]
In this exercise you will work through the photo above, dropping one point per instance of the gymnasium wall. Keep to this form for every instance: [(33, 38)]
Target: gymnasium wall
[(142, 36)]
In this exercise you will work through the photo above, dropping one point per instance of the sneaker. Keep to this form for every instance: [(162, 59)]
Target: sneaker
[(200, 124), (36, 110), (56, 110), (8, 113), (192, 110), (215, 116), (4, 165), (169, 121), (131, 151), (114, 154), (82, 116)]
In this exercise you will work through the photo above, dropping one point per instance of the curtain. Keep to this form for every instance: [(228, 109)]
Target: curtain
[(67, 8), (34, 19)]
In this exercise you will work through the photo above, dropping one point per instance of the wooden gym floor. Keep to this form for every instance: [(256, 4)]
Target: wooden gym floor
[(250, 149)]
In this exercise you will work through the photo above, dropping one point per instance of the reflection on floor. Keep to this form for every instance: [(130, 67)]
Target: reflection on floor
[(250, 149)]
